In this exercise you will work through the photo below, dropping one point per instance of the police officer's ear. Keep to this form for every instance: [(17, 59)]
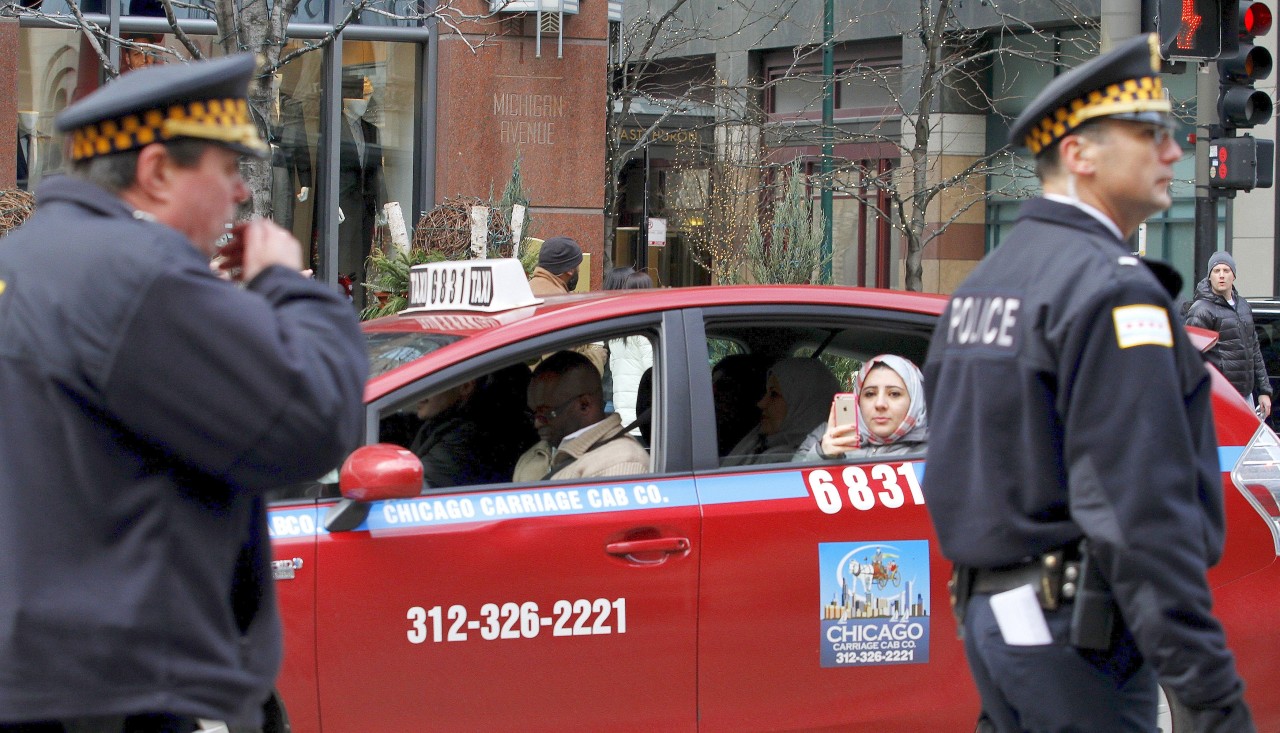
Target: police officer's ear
[(152, 176), (1077, 154)]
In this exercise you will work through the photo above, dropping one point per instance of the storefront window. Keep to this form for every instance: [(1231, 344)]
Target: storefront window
[(797, 92), (866, 88), (872, 90), (863, 246), (376, 146), (330, 187)]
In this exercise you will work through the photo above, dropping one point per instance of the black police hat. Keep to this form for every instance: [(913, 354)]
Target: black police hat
[(1122, 83), (205, 100)]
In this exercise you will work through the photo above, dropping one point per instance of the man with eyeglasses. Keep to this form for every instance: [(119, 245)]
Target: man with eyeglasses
[(1073, 470), (578, 439)]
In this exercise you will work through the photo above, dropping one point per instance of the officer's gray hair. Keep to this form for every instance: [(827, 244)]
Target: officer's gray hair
[(116, 172), (1048, 164)]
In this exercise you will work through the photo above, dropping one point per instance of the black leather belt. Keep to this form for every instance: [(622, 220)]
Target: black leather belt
[(1054, 578), (993, 580)]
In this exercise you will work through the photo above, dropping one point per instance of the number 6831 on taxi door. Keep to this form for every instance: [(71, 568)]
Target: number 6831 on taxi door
[(865, 486)]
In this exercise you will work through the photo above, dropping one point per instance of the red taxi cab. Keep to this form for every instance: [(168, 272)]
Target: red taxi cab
[(692, 597)]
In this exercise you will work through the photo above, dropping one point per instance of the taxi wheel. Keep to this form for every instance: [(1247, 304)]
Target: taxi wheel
[(1171, 715)]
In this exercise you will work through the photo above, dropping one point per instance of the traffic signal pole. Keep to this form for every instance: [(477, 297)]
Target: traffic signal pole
[(1206, 240)]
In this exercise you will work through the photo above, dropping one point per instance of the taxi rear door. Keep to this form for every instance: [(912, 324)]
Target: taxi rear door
[(550, 606), (823, 600)]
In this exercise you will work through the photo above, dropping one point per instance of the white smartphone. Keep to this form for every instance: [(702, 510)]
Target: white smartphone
[(846, 408)]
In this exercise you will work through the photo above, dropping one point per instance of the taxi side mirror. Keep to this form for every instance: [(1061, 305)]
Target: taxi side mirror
[(373, 473), (380, 471)]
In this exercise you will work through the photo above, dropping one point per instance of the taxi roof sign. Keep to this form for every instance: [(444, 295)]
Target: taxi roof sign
[(484, 286)]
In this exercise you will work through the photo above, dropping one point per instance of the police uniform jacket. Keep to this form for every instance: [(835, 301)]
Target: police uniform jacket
[(147, 405), (1237, 354), (1063, 404)]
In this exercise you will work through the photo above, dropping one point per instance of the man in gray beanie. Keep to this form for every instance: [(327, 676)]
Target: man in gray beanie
[(557, 270), (1218, 307), (557, 274)]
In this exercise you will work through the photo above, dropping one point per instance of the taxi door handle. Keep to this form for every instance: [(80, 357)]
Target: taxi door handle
[(662, 544)]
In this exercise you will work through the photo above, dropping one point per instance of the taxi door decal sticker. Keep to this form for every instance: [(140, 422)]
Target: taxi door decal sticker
[(293, 522), (874, 602), (424, 511)]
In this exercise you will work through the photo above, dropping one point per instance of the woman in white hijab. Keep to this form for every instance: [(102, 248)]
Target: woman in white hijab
[(797, 393), (891, 417)]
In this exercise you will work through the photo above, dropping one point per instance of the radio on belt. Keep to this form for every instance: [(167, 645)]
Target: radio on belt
[(484, 286)]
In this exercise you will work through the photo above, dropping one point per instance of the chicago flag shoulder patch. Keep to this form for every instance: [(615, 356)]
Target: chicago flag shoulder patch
[(1142, 325)]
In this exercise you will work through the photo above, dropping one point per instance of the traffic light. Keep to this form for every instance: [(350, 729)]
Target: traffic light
[(1203, 30), (1241, 163), (1239, 103)]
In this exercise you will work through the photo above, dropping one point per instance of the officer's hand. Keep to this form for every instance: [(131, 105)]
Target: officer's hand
[(256, 245), (1234, 718), (1264, 406)]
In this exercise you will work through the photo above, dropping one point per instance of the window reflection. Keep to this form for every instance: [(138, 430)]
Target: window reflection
[(155, 9), (307, 11), (389, 12), (49, 71), (293, 133)]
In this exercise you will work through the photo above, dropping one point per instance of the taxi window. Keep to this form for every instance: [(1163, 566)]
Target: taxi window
[(762, 421), (390, 350), (481, 429)]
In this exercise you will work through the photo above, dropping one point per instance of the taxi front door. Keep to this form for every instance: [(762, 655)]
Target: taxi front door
[(567, 607)]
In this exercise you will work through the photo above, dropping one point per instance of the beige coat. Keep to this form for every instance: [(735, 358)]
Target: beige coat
[(614, 454), (544, 283)]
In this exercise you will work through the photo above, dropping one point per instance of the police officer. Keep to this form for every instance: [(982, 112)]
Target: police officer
[(147, 405), (1065, 406)]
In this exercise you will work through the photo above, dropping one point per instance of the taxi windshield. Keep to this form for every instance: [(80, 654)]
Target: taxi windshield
[(390, 350)]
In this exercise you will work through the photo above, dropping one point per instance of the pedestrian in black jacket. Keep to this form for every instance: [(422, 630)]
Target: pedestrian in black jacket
[(148, 405), (1218, 307)]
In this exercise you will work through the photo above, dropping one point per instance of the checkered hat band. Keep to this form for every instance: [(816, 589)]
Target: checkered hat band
[(1145, 94), (224, 120)]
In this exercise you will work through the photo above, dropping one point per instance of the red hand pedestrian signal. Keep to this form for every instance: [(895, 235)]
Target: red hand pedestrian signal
[(1191, 22), (1195, 29)]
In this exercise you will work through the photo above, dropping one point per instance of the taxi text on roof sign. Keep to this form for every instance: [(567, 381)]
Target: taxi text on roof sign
[(486, 286)]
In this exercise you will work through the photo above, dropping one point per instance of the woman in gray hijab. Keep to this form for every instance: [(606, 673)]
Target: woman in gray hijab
[(891, 418), (797, 397)]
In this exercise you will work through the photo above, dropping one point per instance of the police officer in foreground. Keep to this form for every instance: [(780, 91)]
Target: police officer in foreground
[(1073, 474), (147, 405)]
